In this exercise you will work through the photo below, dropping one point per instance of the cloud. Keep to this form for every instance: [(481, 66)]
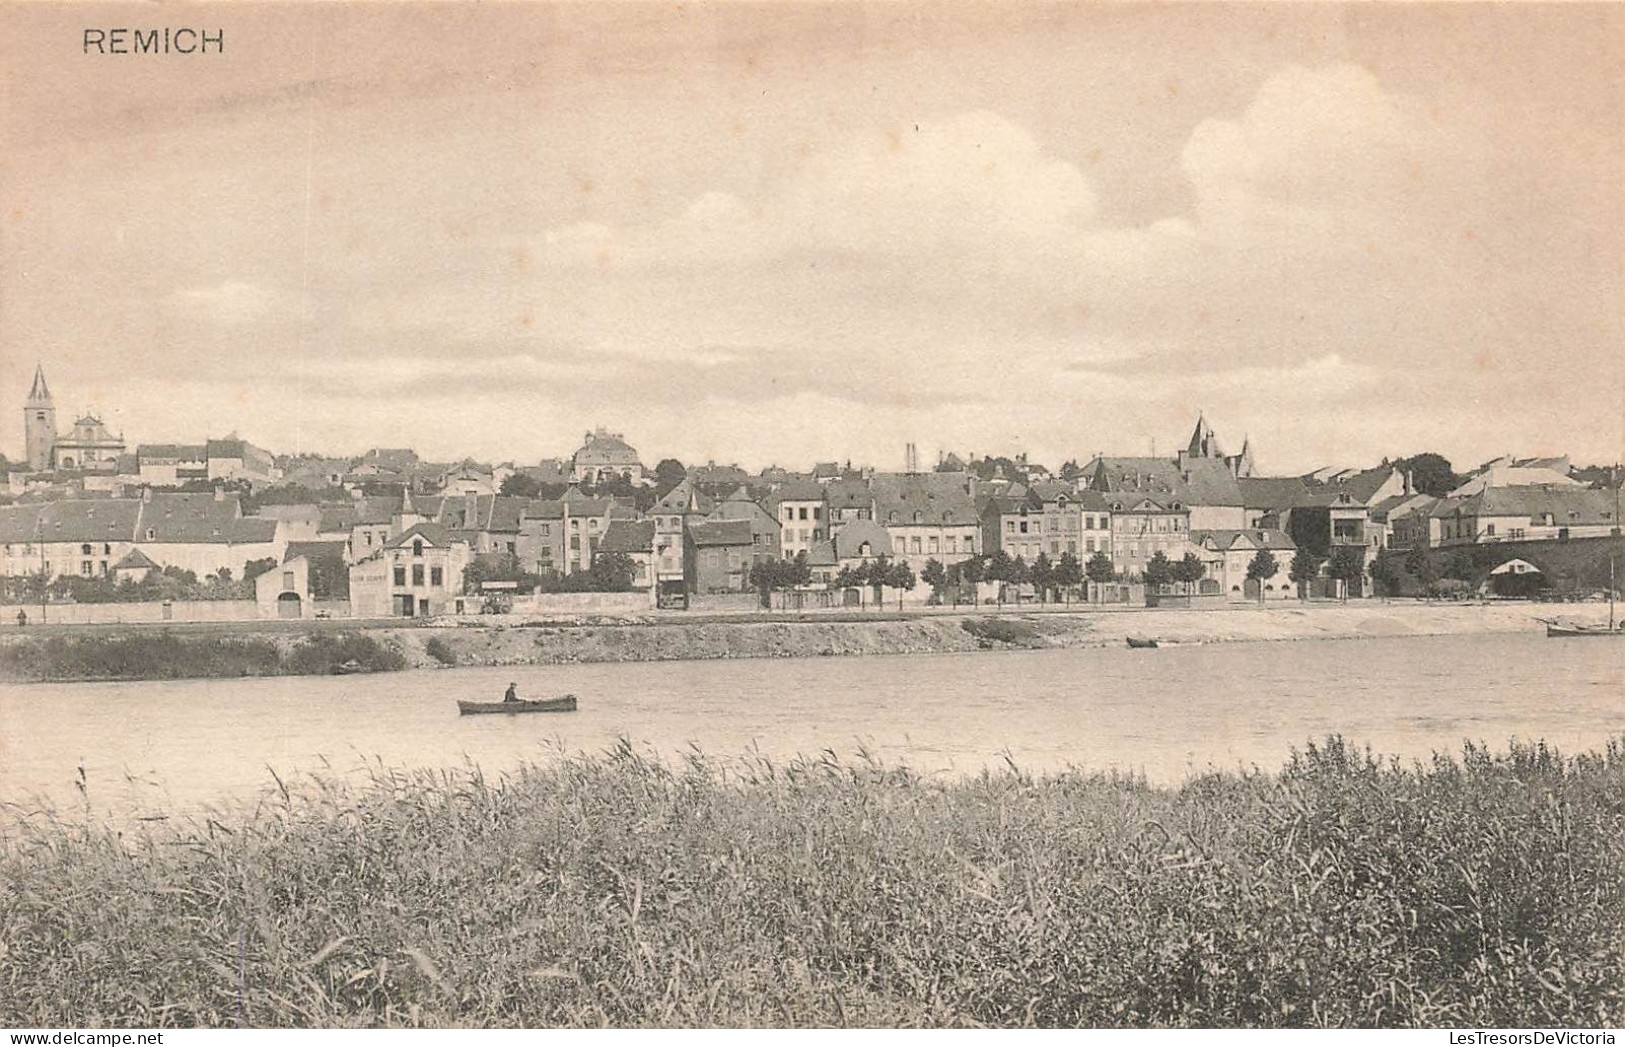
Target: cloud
[(972, 183)]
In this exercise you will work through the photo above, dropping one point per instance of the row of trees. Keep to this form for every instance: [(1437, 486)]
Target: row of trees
[(169, 583), (608, 573)]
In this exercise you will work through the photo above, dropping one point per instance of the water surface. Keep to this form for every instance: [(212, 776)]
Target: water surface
[(175, 746)]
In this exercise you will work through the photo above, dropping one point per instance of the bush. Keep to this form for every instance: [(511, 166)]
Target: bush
[(1448, 589), (1002, 630), (440, 651)]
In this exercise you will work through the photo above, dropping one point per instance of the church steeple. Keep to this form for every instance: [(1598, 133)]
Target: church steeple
[(1204, 444), (39, 424), (40, 395)]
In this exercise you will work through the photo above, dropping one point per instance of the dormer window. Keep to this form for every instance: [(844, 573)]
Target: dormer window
[(151, 534)]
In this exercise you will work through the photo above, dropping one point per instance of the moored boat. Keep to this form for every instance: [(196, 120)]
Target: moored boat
[(566, 704), (349, 667), (1559, 629), (1136, 641)]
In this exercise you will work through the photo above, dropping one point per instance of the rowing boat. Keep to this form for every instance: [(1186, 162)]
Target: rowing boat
[(1135, 641), (1556, 629), (566, 704)]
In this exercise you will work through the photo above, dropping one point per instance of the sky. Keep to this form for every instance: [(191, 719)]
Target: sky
[(780, 233)]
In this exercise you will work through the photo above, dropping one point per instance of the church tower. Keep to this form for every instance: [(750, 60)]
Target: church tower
[(39, 423)]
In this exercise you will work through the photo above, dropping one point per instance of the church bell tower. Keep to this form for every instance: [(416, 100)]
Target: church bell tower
[(39, 423)]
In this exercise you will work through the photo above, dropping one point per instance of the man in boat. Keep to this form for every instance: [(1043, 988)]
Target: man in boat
[(513, 693), (22, 619)]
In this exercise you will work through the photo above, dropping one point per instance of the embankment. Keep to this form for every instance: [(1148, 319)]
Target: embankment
[(271, 649)]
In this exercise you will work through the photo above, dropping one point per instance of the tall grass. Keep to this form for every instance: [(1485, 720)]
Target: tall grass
[(1344, 890), (167, 655)]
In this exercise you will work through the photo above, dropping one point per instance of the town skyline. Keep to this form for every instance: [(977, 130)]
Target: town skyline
[(792, 236)]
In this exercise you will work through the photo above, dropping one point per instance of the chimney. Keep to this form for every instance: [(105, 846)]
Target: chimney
[(1409, 489)]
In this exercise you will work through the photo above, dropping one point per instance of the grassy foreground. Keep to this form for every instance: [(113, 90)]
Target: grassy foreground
[(1344, 890)]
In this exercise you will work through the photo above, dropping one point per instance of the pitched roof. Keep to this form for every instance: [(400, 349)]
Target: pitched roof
[(1196, 481), (1566, 505), (721, 532), (1272, 492), (1251, 538), (848, 494), (685, 498), (821, 554), (628, 536), (314, 551), (18, 522), (849, 539), (180, 452), (337, 516), (799, 491), (936, 498), (90, 520), (435, 534), (135, 560)]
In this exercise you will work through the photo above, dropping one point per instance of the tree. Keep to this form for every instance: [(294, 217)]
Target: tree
[(669, 472), (254, 568), (1189, 570), (1305, 568), (1070, 470), (1347, 565), (1430, 473), (900, 576), (521, 485), (767, 575), (877, 573), (1385, 574), (1000, 569), (1460, 566), (936, 576), (612, 572), (1068, 574), (1158, 571), (1100, 569), (1042, 573), (1262, 569)]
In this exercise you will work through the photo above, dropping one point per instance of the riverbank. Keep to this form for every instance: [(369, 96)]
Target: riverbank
[(621, 890), (272, 648)]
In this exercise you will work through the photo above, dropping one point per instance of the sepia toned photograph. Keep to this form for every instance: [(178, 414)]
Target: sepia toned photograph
[(812, 515)]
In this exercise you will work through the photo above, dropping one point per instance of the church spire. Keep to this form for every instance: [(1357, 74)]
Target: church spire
[(41, 393)]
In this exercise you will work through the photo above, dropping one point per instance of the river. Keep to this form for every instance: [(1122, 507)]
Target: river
[(178, 746)]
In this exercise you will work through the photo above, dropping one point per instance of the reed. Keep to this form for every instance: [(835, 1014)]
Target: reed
[(1344, 890)]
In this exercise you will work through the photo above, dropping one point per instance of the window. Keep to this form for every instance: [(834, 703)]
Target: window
[(417, 547), (592, 525), (547, 530), (1489, 529), (107, 549), (899, 545), (863, 549), (1009, 527), (970, 542), (1024, 527), (287, 579), (818, 512), (802, 514), (86, 567), (914, 544), (437, 577), (85, 549), (417, 575), (400, 576), (931, 546), (575, 543), (953, 543)]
